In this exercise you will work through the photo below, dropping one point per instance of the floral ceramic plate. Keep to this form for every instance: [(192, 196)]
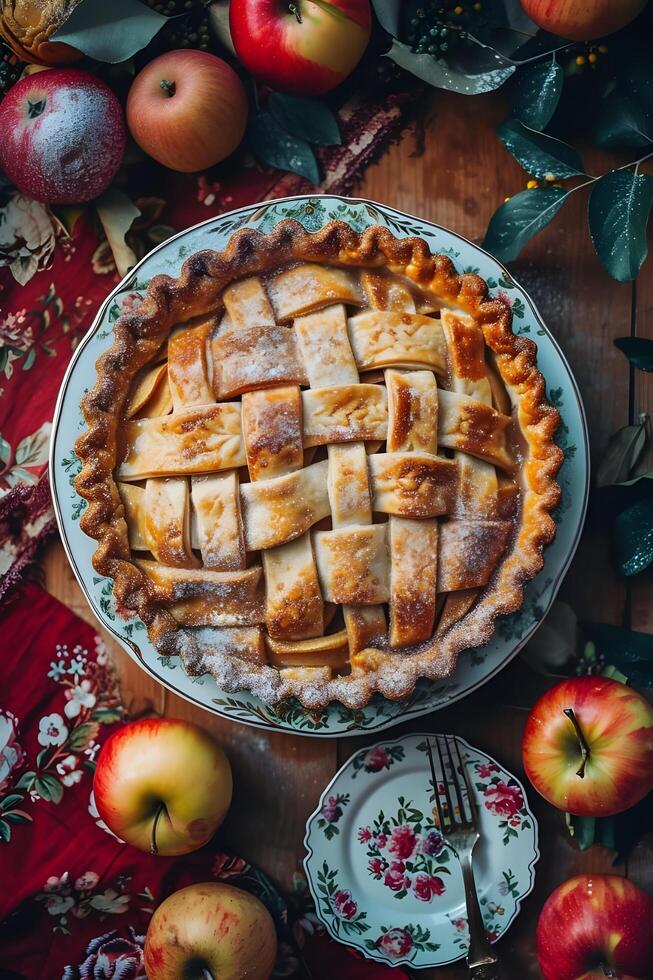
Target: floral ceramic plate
[(382, 876), (475, 666)]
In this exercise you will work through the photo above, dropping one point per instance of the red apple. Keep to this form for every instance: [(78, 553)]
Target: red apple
[(588, 746), (211, 930), (63, 135), (306, 47), (187, 109), (596, 926), (162, 785), (582, 20)]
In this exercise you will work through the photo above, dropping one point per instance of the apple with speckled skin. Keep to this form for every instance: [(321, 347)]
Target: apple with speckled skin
[(596, 926), (212, 931), (306, 47), (162, 785), (588, 746), (63, 135)]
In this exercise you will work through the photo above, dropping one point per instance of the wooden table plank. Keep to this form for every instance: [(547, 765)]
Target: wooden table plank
[(459, 180)]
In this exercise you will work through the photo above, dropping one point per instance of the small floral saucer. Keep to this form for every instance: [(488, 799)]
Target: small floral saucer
[(382, 876)]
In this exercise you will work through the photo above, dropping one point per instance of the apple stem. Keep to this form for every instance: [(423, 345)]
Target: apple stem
[(294, 9), (154, 848), (207, 975), (582, 741), (168, 87)]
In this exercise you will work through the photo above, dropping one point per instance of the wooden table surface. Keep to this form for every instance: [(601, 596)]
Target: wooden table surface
[(458, 181)]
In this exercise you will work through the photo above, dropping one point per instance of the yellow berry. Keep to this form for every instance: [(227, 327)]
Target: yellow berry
[(580, 60), (603, 48), (477, 6), (549, 177), (458, 9), (532, 184), (592, 58), (505, 200)]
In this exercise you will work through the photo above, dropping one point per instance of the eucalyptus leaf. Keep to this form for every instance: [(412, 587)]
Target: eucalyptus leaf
[(619, 207), (387, 14), (638, 350), (629, 650), (278, 148), (621, 456), (582, 829), (110, 32), (537, 92), (437, 73), (539, 155), (519, 219), (307, 119), (622, 122), (632, 538)]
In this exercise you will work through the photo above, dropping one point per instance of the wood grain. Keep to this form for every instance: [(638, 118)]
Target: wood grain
[(463, 174)]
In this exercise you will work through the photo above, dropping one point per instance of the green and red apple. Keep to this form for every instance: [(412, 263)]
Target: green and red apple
[(306, 47), (596, 926), (163, 785), (582, 20), (588, 746), (187, 109), (213, 931)]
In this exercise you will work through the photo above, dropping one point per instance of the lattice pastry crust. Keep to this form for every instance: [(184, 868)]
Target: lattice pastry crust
[(319, 465)]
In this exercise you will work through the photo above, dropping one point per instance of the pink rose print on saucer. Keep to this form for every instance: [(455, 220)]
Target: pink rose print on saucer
[(406, 853), (504, 800), (330, 813), (485, 770), (402, 944), (345, 905), (377, 759)]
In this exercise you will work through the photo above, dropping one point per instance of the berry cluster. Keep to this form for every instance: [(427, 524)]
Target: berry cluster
[(439, 30), (191, 30)]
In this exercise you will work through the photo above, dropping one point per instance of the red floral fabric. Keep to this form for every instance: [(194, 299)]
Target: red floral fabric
[(76, 902)]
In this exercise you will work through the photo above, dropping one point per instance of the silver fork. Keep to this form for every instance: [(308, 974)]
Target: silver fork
[(461, 833)]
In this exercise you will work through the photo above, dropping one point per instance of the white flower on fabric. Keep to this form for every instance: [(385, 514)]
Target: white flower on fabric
[(101, 652), (11, 754), (76, 666), (53, 883), (52, 730), (57, 670), (59, 904), (68, 770), (87, 881), (78, 697), (110, 901)]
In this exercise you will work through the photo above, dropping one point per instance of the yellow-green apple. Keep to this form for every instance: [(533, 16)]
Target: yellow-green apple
[(596, 926), (162, 785), (187, 109), (582, 20), (304, 46), (63, 135), (213, 931), (588, 746)]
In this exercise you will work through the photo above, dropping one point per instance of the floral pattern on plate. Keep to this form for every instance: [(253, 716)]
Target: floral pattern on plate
[(475, 666), (388, 883)]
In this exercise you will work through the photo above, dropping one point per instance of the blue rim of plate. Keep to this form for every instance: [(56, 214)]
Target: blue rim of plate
[(334, 834), (335, 721)]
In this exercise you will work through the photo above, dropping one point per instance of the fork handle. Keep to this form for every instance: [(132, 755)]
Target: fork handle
[(481, 958)]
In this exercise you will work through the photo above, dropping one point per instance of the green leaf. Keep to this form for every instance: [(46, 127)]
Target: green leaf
[(581, 829), (519, 219), (82, 735), (387, 13), (11, 800), (117, 214), (441, 75), (638, 350), (26, 780), (619, 207), (632, 538), (621, 456), (106, 716), (274, 146), (537, 93), (539, 155), (5, 832), (5, 451), (622, 122), (49, 788), (307, 119), (110, 32)]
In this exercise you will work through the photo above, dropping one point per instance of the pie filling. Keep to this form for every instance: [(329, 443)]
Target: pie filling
[(328, 466)]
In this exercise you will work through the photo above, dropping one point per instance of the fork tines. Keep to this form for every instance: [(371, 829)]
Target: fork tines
[(461, 813)]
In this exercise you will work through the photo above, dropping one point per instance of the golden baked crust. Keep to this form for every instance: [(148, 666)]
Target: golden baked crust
[(241, 662)]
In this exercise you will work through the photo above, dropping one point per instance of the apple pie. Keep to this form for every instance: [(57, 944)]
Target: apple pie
[(319, 465)]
